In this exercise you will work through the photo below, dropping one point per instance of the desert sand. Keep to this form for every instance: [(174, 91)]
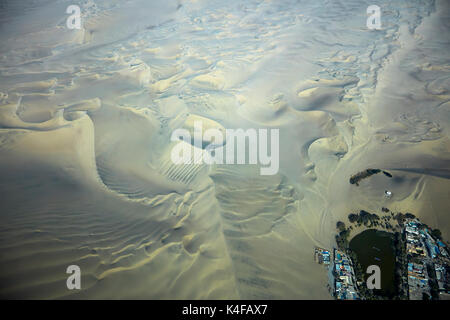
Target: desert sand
[(86, 117)]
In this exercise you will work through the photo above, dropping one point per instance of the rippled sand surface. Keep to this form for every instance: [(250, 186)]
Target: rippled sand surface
[(86, 117)]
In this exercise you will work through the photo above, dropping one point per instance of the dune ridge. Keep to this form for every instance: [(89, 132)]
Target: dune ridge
[(86, 118)]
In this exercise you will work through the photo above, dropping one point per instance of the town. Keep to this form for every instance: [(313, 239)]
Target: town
[(428, 262), (423, 263)]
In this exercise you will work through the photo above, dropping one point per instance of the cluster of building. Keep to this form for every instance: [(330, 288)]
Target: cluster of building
[(322, 256), (417, 281), (414, 244), (344, 277), (442, 277), (423, 250), (424, 254)]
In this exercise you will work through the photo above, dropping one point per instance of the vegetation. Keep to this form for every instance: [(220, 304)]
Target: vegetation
[(436, 233), (364, 217), (446, 285), (342, 236), (387, 174), (401, 272), (434, 288), (355, 179), (353, 217), (409, 215), (400, 217), (340, 226)]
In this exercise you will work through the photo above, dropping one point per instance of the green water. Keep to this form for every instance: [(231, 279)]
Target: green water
[(373, 247)]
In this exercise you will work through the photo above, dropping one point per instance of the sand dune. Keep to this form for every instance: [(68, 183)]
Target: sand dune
[(86, 118)]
